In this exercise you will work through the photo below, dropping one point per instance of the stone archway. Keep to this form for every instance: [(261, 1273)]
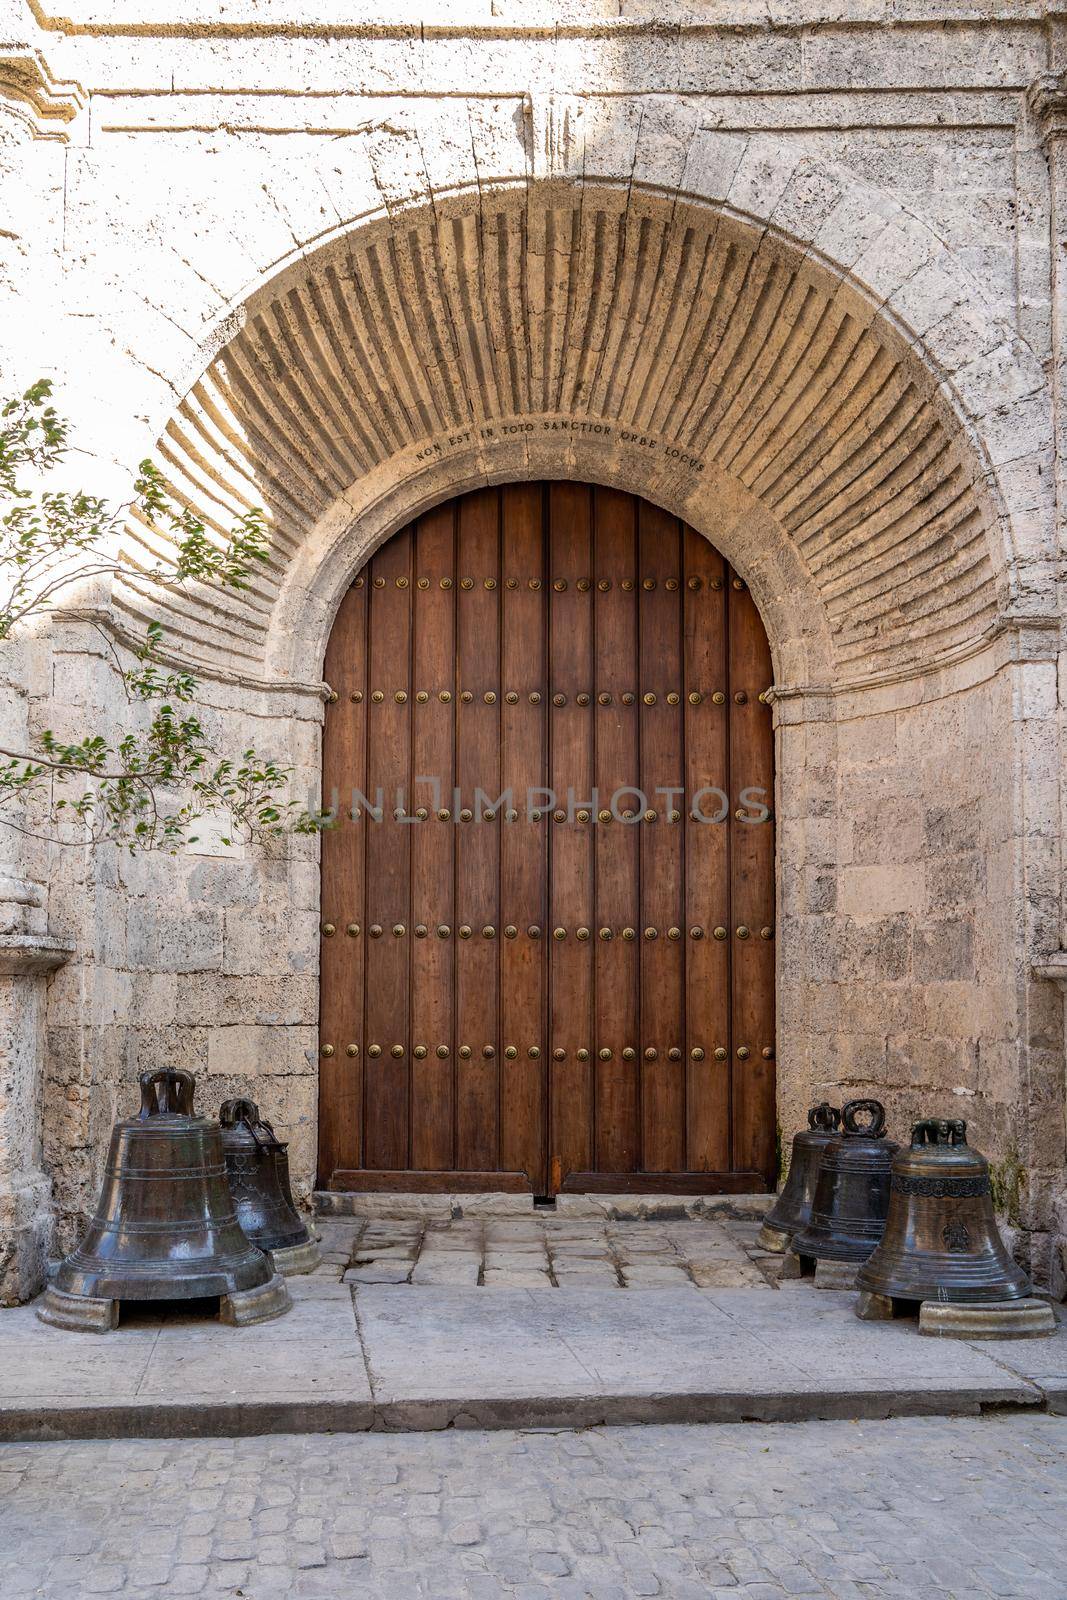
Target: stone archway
[(625, 336), (608, 331)]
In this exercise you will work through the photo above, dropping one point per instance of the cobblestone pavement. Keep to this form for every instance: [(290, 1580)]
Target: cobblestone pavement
[(545, 1252), (855, 1511)]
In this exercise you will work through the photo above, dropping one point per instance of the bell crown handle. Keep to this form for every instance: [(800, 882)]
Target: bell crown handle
[(167, 1091), (939, 1130), (824, 1116), (874, 1110), (231, 1112)]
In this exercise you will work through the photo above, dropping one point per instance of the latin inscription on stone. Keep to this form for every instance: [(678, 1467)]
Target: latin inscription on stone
[(608, 433)]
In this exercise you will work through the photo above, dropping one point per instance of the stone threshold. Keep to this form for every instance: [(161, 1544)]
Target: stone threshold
[(611, 1207)]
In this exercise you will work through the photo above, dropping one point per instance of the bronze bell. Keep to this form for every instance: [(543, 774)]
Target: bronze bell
[(165, 1226), (941, 1240), (851, 1198), (792, 1210), (258, 1169)]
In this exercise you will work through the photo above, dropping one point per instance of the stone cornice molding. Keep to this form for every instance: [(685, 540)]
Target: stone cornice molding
[(1054, 968), (1046, 101), (46, 103), (131, 639), (295, 19), (22, 953)]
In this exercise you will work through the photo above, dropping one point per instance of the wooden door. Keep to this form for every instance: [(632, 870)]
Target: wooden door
[(548, 899)]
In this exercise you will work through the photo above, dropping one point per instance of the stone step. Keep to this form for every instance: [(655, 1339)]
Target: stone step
[(616, 1207)]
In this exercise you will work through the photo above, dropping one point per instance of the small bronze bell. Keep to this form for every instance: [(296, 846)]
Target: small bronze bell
[(852, 1190), (941, 1240), (258, 1169), (165, 1226), (792, 1210)]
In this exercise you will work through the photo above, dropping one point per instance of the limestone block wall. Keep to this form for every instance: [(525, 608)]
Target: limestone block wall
[(912, 906), (206, 960), (343, 269)]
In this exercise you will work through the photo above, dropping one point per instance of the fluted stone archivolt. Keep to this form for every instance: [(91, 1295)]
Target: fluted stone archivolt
[(680, 325)]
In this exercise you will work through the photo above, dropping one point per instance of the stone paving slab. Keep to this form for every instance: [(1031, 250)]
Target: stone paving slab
[(784, 1352), (183, 1371), (383, 1356), (552, 1250)]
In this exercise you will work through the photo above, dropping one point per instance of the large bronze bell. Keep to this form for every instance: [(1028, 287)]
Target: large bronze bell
[(941, 1240), (851, 1199), (165, 1226), (258, 1169), (791, 1212)]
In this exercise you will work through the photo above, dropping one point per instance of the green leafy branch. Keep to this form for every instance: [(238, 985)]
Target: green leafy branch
[(43, 532), (152, 786)]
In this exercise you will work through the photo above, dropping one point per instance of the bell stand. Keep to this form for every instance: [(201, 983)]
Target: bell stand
[(1032, 1318)]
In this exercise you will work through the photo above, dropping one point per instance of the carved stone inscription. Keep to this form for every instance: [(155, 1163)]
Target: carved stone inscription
[(611, 434)]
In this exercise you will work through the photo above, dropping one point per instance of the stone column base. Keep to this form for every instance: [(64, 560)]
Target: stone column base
[(25, 1238), (26, 960)]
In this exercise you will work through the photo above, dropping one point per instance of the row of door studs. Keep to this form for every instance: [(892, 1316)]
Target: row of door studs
[(605, 1053), (560, 585), (650, 697), (465, 931)]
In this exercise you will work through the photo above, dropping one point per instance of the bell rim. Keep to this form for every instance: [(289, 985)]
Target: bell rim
[(1011, 1285), (86, 1276), (147, 1287), (287, 1239), (837, 1249)]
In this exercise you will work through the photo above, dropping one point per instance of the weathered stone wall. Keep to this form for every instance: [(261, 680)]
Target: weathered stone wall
[(342, 271)]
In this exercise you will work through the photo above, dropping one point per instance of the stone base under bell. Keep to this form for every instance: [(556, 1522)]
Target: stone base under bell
[(297, 1258), (772, 1238), (992, 1319), (836, 1274), (872, 1307), (83, 1313), (80, 1313), (794, 1266), (249, 1306)]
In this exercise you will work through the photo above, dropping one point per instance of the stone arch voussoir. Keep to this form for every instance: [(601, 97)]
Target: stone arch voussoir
[(751, 339)]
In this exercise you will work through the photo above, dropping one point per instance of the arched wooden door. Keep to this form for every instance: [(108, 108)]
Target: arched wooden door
[(540, 969)]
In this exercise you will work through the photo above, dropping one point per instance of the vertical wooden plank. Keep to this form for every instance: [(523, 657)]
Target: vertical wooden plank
[(341, 966), (477, 841), (707, 880), (523, 1098), (617, 1078), (432, 839), (571, 898), (388, 857), (751, 887), (662, 956)]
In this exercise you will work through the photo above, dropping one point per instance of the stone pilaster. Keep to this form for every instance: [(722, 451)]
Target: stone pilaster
[(28, 955), (1047, 106)]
